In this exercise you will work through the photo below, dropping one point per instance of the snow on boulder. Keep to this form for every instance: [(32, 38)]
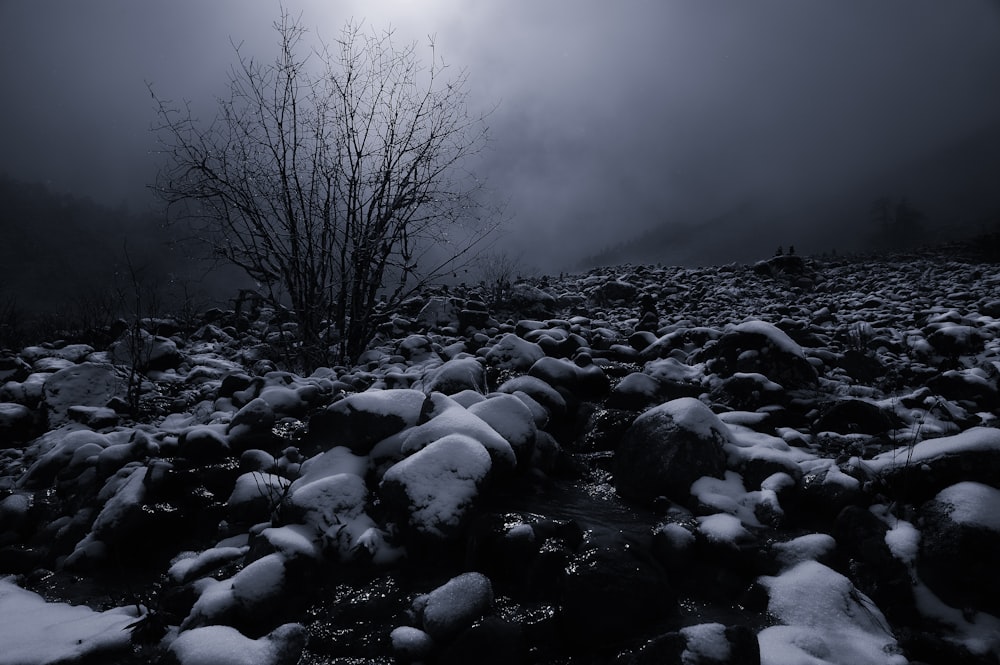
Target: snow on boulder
[(667, 449), (255, 496), (122, 513), (960, 546), (251, 426), (223, 645), (327, 502), (456, 375), (919, 471), (433, 491), (361, 420), (530, 300), (55, 451), (514, 353), (86, 384), (251, 595), (512, 419), (586, 382), (450, 417), (761, 348), (35, 632), (826, 621), (454, 606)]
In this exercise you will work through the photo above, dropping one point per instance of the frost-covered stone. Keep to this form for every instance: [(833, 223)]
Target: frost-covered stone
[(668, 448)]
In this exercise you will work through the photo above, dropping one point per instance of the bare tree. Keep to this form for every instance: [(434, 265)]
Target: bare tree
[(335, 178)]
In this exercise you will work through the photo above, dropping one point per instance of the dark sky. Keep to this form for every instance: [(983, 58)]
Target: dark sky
[(612, 117)]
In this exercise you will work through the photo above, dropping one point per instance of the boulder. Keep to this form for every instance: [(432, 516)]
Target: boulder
[(86, 384), (456, 375), (17, 424), (611, 591), (854, 416), (668, 448), (361, 420), (701, 644), (530, 300), (432, 492), (451, 608), (960, 545), (761, 348), (224, 645)]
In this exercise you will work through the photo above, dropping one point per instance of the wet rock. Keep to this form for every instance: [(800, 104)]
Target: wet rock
[(610, 592), (668, 448), (823, 494), (488, 641)]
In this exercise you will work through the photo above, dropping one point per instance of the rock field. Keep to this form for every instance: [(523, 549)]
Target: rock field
[(791, 462)]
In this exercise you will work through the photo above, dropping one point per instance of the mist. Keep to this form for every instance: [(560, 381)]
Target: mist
[(727, 128)]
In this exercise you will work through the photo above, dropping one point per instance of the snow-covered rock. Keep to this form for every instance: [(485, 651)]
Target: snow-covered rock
[(668, 448)]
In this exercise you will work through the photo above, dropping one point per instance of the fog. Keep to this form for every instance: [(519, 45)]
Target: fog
[(784, 119)]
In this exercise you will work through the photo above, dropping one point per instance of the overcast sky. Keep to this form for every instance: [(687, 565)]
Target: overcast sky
[(613, 117)]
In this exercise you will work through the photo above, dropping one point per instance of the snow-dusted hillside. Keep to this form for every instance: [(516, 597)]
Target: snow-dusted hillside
[(793, 462)]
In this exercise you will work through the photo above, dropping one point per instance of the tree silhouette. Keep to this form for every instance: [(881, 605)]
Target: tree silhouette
[(333, 178)]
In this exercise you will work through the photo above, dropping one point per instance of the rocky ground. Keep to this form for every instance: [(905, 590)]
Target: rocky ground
[(793, 462)]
